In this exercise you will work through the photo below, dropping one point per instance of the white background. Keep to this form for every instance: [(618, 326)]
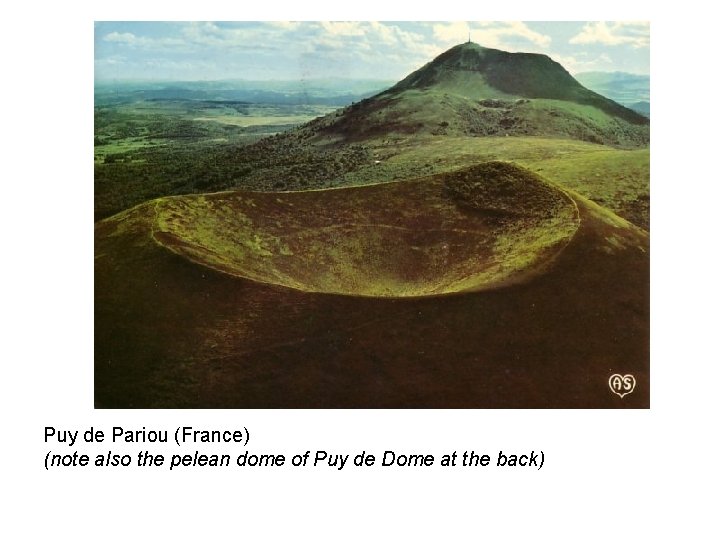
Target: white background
[(608, 474)]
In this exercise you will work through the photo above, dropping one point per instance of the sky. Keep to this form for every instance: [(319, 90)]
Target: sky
[(359, 50)]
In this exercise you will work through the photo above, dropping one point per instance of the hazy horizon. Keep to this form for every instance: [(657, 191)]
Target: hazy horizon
[(296, 51), (318, 79)]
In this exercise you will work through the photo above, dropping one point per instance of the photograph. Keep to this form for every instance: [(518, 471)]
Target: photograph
[(371, 215)]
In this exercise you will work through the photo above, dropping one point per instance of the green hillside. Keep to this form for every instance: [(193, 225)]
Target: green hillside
[(526, 75), (467, 106), (472, 90)]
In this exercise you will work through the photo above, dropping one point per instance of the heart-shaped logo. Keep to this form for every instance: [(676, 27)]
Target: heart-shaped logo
[(622, 385)]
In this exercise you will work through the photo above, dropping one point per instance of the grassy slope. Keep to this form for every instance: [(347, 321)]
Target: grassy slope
[(471, 90), (525, 75), (440, 111), (618, 179), (470, 230), (470, 96), (175, 334)]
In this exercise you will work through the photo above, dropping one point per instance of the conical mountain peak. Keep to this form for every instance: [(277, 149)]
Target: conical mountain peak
[(474, 90), (524, 75)]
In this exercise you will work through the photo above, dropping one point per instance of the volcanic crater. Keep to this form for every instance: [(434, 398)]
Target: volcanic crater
[(478, 228)]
